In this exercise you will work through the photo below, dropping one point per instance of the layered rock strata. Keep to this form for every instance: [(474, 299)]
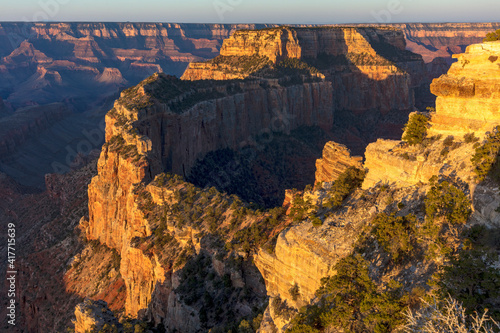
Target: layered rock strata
[(167, 139), (336, 159), (360, 62), (164, 125), (468, 96), (468, 100)]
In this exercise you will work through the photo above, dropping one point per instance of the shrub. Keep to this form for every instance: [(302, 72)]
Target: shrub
[(470, 277), (350, 301), (316, 221), (349, 180), (485, 159), (448, 142), (492, 36), (396, 234), (415, 130), (470, 138), (294, 291), (446, 200)]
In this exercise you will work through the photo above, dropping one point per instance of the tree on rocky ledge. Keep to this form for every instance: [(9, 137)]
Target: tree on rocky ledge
[(492, 36)]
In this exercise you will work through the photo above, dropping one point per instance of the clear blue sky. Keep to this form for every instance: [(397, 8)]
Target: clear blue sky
[(252, 11)]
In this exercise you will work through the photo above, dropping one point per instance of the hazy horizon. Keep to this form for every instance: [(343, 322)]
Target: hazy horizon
[(258, 11)]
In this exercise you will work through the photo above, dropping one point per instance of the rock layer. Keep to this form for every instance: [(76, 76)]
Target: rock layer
[(468, 96), (173, 141), (364, 75), (336, 159), (468, 101)]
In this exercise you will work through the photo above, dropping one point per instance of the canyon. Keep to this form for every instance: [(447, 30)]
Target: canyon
[(179, 257), (86, 65)]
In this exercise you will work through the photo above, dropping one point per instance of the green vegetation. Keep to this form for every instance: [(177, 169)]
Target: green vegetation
[(250, 238), (295, 66), (243, 64), (485, 159), (177, 94), (470, 276), (282, 309), (416, 129), (470, 138), (444, 200), (396, 234), (349, 180), (294, 291), (350, 301), (492, 36)]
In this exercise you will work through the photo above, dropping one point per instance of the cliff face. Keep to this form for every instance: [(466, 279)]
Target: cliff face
[(433, 40), (93, 315), (84, 66), (47, 56), (173, 141), (397, 173), (468, 97), (467, 102), (336, 159), (282, 43), (162, 126), (360, 62)]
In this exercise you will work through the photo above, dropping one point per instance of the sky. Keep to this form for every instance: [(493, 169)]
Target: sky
[(252, 11)]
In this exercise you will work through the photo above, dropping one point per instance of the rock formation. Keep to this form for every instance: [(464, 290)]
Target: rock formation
[(93, 316), (227, 121), (468, 98), (442, 40), (84, 65), (348, 57), (165, 125), (397, 173), (467, 102), (336, 159)]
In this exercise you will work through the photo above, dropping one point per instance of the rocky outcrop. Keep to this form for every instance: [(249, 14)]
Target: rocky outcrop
[(468, 96), (393, 162), (364, 75), (468, 100), (92, 316), (98, 57), (149, 132), (336, 159), (85, 66)]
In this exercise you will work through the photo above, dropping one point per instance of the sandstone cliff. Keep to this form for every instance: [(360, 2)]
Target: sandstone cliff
[(93, 316), (467, 96), (155, 137), (336, 159), (467, 103), (165, 124), (397, 173), (84, 65), (360, 62)]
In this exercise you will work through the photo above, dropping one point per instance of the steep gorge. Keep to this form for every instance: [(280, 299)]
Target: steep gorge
[(165, 125), (134, 208)]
